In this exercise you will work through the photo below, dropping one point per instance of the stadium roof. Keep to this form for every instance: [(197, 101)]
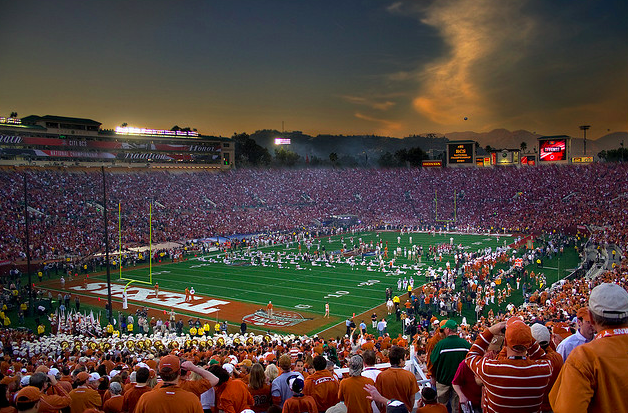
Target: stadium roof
[(60, 119)]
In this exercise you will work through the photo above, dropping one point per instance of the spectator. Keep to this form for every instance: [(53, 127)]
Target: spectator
[(584, 334), (259, 389), (445, 358), (281, 390), (60, 399), (352, 388), (132, 395), (114, 404), (428, 402), (594, 376), (518, 381), (28, 399), (395, 382), (232, 395), (299, 402), (322, 385), (84, 396), (170, 397), (542, 336)]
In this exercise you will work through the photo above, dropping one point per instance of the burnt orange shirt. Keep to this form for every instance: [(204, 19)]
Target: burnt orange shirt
[(353, 394), (397, 383), (84, 398), (167, 400), (113, 405), (132, 396), (323, 387), (235, 397)]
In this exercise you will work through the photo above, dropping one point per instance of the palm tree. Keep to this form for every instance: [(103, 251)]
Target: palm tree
[(524, 146)]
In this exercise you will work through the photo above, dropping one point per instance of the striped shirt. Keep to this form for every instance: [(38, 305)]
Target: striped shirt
[(511, 385)]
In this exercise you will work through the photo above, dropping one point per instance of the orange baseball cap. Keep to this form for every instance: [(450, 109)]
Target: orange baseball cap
[(171, 362), (83, 376), (518, 333), (583, 313), (28, 394)]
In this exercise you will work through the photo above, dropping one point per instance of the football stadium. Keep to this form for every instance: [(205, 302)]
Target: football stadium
[(126, 250)]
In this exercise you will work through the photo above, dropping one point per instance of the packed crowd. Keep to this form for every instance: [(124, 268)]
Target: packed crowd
[(564, 350), (541, 357), (66, 207)]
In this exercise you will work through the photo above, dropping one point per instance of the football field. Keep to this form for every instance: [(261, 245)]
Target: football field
[(242, 285)]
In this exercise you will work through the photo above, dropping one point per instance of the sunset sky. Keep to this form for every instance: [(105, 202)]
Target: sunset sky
[(392, 68)]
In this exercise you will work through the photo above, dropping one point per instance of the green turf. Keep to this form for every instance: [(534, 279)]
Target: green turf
[(347, 291)]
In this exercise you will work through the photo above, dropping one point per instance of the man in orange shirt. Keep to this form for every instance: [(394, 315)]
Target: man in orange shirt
[(299, 402), (131, 396), (439, 334), (352, 391), (207, 381), (232, 396), (187, 294), (322, 385), (83, 396), (114, 404), (28, 399), (170, 397), (593, 378), (395, 382), (269, 309)]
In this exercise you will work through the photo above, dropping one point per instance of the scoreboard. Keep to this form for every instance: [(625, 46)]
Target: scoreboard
[(552, 150), (461, 153)]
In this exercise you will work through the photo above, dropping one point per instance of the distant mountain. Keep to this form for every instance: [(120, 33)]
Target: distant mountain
[(498, 138), (368, 148)]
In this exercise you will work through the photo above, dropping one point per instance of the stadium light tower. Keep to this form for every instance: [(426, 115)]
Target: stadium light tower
[(28, 250), (584, 128), (104, 203)]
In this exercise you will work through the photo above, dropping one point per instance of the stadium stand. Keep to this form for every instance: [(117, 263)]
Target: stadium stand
[(66, 220)]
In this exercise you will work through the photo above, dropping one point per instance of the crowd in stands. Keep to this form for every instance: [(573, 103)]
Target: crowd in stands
[(517, 370), (66, 216), (564, 350)]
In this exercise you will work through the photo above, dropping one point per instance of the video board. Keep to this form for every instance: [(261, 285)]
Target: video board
[(460, 153), (553, 150)]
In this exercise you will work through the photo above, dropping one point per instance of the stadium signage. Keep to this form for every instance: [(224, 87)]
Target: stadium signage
[(146, 156), (277, 319), (146, 296), (31, 140), (10, 139), (432, 164), (582, 159)]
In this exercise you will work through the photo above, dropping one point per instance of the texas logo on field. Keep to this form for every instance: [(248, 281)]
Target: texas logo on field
[(201, 305), (277, 319)]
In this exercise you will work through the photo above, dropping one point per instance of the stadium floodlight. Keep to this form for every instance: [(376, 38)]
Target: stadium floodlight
[(127, 130), (584, 128)]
